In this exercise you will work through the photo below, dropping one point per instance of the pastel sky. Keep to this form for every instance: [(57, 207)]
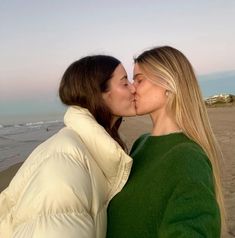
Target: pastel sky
[(40, 38)]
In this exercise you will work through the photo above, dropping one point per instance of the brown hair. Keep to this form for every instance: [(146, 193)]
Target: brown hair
[(83, 83)]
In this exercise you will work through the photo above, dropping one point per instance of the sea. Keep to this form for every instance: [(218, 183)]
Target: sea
[(24, 124)]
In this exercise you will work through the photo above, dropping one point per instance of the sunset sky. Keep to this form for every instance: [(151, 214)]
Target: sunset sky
[(40, 38)]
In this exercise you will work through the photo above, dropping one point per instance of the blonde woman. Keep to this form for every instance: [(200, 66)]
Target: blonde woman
[(174, 188)]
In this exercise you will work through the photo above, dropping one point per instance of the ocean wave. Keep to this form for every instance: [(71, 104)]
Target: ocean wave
[(55, 121), (31, 124), (35, 123), (17, 125)]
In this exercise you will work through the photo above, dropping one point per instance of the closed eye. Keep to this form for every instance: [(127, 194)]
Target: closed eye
[(126, 83), (138, 80)]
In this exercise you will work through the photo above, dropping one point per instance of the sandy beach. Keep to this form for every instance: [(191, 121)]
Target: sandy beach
[(222, 120)]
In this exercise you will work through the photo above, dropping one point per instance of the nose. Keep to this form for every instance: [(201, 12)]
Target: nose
[(132, 88)]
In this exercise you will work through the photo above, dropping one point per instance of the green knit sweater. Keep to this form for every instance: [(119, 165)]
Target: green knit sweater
[(170, 192)]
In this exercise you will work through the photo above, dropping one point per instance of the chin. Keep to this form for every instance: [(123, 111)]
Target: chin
[(130, 114), (127, 113), (133, 112), (140, 113)]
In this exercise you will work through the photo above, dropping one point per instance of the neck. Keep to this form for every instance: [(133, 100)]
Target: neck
[(164, 124), (114, 119)]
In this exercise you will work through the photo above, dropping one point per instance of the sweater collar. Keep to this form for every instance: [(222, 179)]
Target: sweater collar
[(108, 154)]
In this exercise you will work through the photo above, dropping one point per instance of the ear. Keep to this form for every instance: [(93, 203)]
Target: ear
[(106, 96)]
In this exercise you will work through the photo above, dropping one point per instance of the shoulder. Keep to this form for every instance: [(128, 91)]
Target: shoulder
[(62, 159), (63, 148), (59, 176), (138, 142), (53, 167), (190, 162), (189, 152)]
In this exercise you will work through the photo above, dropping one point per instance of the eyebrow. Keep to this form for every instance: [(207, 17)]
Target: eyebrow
[(124, 77)]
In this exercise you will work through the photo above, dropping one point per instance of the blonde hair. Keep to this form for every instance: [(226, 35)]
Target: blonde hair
[(170, 69)]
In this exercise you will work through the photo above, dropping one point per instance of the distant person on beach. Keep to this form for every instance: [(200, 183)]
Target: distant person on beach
[(62, 190), (174, 188)]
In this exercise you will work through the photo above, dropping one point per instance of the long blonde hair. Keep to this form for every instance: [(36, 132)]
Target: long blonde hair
[(169, 68)]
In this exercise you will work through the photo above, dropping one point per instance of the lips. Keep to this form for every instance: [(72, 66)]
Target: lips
[(132, 99), (135, 101)]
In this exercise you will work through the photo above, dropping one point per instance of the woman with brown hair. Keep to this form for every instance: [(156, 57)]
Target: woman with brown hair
[(174, 188), (64, 187)]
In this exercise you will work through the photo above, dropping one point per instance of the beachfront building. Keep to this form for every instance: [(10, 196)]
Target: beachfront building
[(221, 98)]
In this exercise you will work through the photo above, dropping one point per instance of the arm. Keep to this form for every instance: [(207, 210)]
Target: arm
[(192, 209), (60, 225), (5, 203), (57, 201)]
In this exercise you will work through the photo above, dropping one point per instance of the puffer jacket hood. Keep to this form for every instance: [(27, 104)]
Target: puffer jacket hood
[(64, 186)]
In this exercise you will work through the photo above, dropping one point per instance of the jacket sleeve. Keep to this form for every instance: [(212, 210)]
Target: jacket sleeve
[(57, 201), (4, 204), (5, 218), (60, 225)]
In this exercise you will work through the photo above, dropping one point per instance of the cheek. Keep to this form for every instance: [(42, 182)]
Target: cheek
[(158, 98), (122, 103), (115, 100), (150, 99), (143, 93), (121, 94)]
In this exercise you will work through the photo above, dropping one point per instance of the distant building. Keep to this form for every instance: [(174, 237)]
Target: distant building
[(221, 98)]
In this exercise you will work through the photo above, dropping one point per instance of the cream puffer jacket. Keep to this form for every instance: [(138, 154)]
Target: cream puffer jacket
[(62, 190)]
